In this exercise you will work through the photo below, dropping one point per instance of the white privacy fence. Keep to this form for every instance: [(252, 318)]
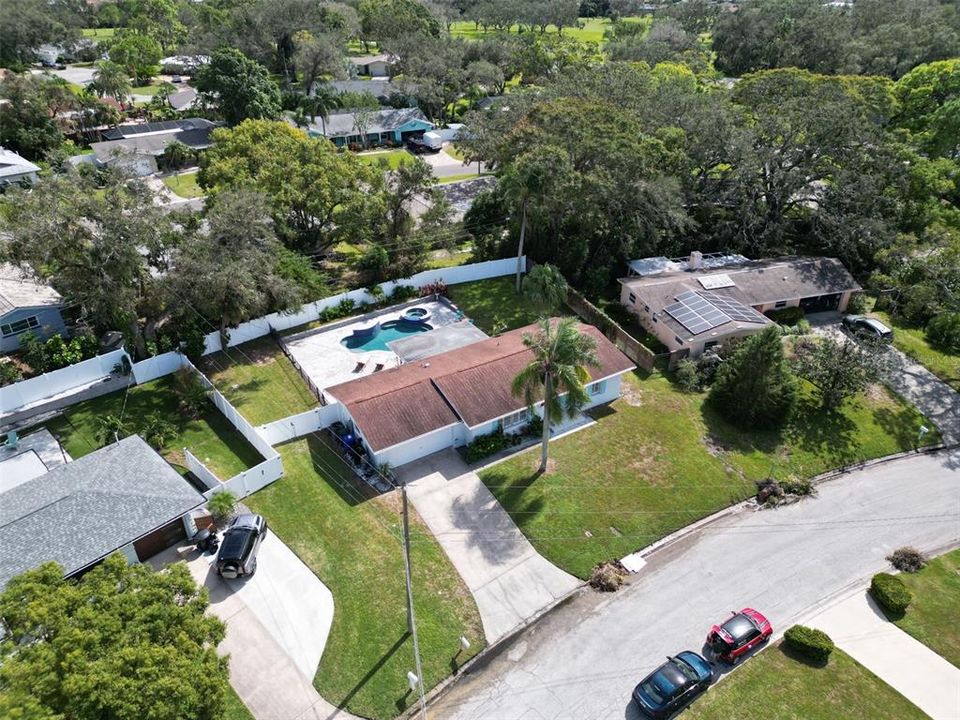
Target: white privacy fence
[(195, 466), (310, 312), (58, 382), (295, 426), (158, 366), (249, 481)]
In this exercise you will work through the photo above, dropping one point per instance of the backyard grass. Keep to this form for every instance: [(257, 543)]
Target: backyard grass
[(354, 548), (912, 342), (393, 158), (776, 686), (933, 617), (658, 460), (591, 30), (185, 185), (444, 259), (494, 303), (211, 438), (235, 709), (258, 379), (99, 34)]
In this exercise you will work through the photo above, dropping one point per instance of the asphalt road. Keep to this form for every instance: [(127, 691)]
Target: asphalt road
[(581, 661)]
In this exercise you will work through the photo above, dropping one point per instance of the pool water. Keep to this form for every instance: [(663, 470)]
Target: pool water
[(389, 331)]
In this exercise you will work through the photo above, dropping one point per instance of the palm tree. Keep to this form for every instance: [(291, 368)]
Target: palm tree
[(557, 373), (545, 285), (112, 80), (323, 100), (176, 155)]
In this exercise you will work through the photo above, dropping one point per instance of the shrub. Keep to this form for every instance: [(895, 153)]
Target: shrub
[(890, 593), (485, 445), (799, 487), (156, 430), (943, 331), (535, 426), (809, 642), (222, 504), (191, 393), (404, 292), (437, 287), (9, 372), (786, 316), (907, 559), (607, 577), (858, 304), (688, 379)]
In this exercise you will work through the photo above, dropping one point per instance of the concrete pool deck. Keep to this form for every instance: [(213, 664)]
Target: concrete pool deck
[(325, 359)]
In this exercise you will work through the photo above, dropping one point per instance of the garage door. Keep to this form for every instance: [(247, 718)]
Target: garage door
[(821, 303), (160, 539)]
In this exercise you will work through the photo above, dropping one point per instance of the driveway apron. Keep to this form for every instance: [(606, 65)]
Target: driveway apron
[(510, 581)]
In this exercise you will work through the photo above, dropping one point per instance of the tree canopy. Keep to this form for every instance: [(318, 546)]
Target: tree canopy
[(240, 87)]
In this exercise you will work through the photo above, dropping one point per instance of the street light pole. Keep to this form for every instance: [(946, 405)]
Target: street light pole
[(411, 619)]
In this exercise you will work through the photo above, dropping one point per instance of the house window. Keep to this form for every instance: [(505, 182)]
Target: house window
[(678, 339), (598, 388), (633, 299), (15, 328), (520, 417), (646, 308), (654, 316), (781, 304)]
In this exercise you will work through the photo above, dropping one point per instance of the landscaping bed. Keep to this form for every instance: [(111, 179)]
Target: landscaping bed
[(258, 379), (932, 617), (354, 547), (776, 685), (657, 460), (211, 438)]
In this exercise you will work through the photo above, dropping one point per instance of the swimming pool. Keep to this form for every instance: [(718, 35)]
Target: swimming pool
[(389, 331)]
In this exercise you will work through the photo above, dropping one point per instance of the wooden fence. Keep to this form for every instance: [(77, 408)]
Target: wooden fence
[(643, 356)]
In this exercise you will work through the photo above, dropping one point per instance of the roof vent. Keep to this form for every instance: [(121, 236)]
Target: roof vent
[(696, 260)]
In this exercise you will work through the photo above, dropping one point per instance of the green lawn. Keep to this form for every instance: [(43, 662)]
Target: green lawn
[(450, 259), (210, 438), (259, 380), (591, 31), (454, 152), (393, 158), (151, 89), (912, 342), (457, 178), (354, 548), (185, 185), (657, 460), (99, 34), (776, 686), (494, 302), (933, 617), (235, 709)]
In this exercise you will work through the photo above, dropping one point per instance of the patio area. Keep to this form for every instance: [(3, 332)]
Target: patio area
[(378, 341)]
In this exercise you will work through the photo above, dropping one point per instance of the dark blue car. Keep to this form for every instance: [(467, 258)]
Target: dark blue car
[(673, 685)]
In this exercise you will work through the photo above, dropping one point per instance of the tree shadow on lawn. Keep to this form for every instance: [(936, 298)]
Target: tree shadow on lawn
[(328, 464), (402, 700), (241, 393), (900, 424), (509, 492)]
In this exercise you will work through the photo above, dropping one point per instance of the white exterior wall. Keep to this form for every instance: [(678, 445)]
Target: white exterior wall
[(611, 393), (417, 447)]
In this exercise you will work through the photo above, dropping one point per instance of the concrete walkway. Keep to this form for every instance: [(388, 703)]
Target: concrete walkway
[(860, 629), (933, 397), (510, 581)]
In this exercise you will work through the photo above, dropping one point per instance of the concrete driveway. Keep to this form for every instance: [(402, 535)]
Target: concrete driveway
[(277, 626), (583, 659), (445, 165), (510, 581)]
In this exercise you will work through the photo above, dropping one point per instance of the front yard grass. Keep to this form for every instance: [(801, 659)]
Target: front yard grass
[(393, 158), (494, 303), (446, 179), (775, 685), (933, 617), (184, 185), (354, 547), (912, 342), (211, 438), (258, 379), (657, 460), (235, 709)]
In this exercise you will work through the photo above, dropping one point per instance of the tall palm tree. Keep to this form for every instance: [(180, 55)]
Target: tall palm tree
[(557, 373), (112, 80), (323, 100)]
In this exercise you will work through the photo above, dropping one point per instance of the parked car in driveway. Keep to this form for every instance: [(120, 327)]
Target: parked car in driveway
[(867, 326), (739, 635), (238, 549), (673, 685)]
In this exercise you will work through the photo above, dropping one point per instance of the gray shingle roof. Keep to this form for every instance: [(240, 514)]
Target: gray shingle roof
[(343, 124), (18, 289), (80, 512)]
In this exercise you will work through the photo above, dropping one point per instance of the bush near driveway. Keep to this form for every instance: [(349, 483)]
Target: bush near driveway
[(932, 616), (659, 459), (809, 642), (890, 593), (354, 546), (774, 685)]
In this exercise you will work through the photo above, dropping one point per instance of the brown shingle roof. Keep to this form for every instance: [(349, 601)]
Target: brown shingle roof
[(471, 383)]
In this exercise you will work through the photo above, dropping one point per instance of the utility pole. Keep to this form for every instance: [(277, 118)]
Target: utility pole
[(411, 619)]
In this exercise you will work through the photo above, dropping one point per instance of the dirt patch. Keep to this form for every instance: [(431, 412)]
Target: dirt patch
[(631, 395), (876, 394), (715, 446), (534, 464)]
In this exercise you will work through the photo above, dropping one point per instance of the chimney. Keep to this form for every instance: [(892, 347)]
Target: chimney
[(696, 260)]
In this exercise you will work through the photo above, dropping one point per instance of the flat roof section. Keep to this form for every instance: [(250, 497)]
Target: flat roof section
[(417, 347)]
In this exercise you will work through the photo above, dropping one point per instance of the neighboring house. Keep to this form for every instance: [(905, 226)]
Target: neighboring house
[(391, 126), (449, 399), (26, 304), (15, 169), (699, 302), (122, 497), (381, 89), (183, 100), (373, 65), (135, 147)]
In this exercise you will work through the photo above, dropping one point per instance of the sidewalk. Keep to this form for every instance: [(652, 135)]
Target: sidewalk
[(860, 629), (510, 581)]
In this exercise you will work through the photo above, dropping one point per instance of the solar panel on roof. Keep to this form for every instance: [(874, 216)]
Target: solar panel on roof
[(735, 309), (712, 282), (695, 313)]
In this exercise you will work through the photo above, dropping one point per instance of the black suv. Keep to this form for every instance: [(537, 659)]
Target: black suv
[(241, 541)]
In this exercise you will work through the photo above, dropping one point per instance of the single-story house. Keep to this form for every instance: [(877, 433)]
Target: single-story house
[(383, 127), (15, 169), (136, 146), (26, 304), (122, 497), (449, 399), (693, 304), (373, 65)]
